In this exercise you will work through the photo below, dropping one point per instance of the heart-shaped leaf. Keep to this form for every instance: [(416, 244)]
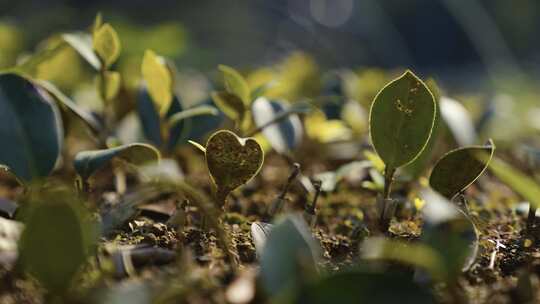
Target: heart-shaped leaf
[(284, 135), (87, 162), (158, 79), (232, 161), (57, 239), (459, 168), (106, 44), (236, 84), (82, 43), (401, 119), (30, 128)]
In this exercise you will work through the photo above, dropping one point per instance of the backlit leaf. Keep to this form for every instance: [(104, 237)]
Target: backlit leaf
[(459, 168), (106, 44), (158, 80), (235, 84), (401, 119), (82, 43)]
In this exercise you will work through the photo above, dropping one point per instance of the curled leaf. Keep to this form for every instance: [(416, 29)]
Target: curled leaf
[(87, 162), (30, 128), (459, 168), (196, 111)]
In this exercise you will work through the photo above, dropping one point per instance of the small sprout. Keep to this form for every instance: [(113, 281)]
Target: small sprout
[(232, 161), (400, 122), (236, 84), (459, 168), (158, 80), (106, 44), (86, 163), (31, 140)]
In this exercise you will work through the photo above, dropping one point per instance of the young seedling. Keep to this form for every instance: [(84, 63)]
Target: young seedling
[(232, 161), (160, 110), (401, 120), (58, 238), (235, 101), (86, 163), (458, 169)]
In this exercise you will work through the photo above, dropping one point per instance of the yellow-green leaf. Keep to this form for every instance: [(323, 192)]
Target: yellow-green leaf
[(109, 84), (236, 84), (230, 104), (107, 44), (158, 80)]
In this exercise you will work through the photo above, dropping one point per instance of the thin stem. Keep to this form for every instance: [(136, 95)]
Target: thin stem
[(531, 218), (277, 205), (276, 119), (385, 218), (310, 209)]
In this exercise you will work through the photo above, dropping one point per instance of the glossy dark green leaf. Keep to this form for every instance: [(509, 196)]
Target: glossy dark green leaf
[(87, 162), (30, 128), (289, 257), (401, 120), (232, 161), (57, 239), (458, 169)]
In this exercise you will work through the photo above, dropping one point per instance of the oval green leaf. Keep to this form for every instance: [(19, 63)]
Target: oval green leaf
[(235, 83), (459, 168), (232, 161), (87, 162), (158, 80), (109, 84), (57, 239), (106, 44), (401, 119), (30, 128)]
